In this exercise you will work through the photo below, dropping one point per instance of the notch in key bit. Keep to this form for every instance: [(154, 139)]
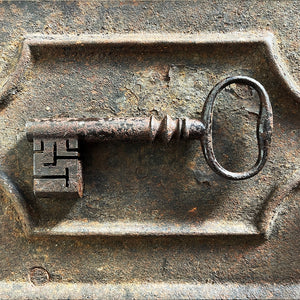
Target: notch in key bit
[(56, 168)]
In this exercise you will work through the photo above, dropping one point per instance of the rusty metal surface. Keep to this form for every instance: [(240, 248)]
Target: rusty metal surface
[(154, 221), (116, 129)]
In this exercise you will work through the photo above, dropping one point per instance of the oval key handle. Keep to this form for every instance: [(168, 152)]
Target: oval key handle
[(264, 128)]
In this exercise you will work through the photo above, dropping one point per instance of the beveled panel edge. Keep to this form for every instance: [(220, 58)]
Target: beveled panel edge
[(122, 228), (25, 290)]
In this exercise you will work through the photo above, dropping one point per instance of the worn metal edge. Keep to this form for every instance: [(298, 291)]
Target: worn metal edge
[(24, 290), (206, 228), (153, 39), (9, 190)]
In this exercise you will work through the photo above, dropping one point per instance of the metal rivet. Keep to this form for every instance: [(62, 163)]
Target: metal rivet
[(39, 276)]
